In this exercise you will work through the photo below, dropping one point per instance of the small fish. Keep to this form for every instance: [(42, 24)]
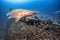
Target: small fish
[(19, 13)]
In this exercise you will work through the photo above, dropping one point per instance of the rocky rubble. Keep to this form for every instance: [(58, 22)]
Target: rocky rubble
[(42, 31)]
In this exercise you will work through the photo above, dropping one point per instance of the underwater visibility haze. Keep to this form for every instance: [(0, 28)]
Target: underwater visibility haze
[(45, 7)]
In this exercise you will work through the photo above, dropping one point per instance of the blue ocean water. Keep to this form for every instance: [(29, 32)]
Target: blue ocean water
[(43, 6)]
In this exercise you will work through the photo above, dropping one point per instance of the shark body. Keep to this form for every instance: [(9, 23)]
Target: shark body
[(19, 13)]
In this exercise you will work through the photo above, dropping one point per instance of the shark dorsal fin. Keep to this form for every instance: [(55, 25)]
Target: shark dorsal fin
[(10, 9)]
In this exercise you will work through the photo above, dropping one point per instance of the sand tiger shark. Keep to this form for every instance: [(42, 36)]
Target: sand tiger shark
[(19, 13)]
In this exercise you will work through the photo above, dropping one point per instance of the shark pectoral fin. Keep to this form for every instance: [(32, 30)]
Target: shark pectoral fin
[(17, 19)]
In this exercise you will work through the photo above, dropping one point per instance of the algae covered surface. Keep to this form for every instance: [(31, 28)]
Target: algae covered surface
[(41, 31)]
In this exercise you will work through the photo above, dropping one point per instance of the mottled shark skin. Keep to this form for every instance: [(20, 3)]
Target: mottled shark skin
[(19, 13)]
